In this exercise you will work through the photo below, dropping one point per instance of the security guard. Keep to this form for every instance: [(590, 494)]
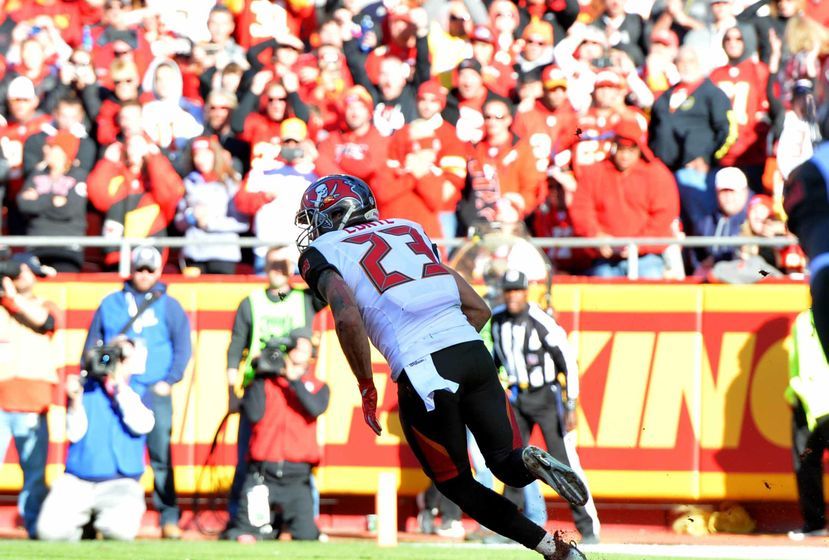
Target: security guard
[(540, 367), (808, 394)]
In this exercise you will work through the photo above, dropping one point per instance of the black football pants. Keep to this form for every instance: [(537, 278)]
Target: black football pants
[(438, 439)]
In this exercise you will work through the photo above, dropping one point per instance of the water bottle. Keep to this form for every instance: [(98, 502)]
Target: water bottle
[(86, 39), (366, 25)]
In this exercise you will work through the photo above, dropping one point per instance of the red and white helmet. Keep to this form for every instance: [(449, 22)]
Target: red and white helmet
[(333, 203)]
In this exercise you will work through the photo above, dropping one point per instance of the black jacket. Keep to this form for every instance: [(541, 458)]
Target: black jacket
[(699, 127)]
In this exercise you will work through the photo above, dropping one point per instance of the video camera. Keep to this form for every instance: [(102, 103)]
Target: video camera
[(102, 361), (271, 361)]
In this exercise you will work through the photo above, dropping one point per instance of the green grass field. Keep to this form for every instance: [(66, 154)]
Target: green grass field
[(338, 549)]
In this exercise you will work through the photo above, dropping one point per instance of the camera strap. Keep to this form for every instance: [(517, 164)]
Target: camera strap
[(148, 301)]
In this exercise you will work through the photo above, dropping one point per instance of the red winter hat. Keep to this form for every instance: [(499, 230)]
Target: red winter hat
[(627, 132), (432, 87), (67, 142)]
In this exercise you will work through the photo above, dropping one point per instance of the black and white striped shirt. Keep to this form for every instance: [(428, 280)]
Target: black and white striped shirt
[(532, 348)]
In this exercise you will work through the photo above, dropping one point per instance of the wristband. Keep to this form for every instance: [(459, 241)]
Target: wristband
[(570, 404)]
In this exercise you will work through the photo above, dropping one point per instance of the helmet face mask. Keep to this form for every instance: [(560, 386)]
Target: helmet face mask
[(331, 204)]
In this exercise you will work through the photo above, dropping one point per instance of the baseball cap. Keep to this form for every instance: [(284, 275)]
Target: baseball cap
[(200, 143), (358, 94), (21, 88), (470, 64), (665, 37), (553, 77), (514, 280), (608, 78), (540, 30), (432, 87), (730, 178), (32, 262), (483, 34), (293, 129), (146, 257)]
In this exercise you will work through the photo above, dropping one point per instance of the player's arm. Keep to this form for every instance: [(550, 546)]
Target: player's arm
[(351, 333), (472, 305)]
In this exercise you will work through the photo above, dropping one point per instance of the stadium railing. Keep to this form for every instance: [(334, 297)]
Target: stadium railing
[(125, 245)]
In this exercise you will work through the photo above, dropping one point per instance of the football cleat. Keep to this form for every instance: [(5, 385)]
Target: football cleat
[(556, 474), (566, 551)]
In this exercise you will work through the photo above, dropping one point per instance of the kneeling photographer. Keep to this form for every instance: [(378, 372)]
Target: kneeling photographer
[(107, 427), (282, 404)]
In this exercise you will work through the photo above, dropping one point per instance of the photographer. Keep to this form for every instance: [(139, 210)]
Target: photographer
[(107, 426), (282, 405), (156, 322), (28, 375), (272, 311)]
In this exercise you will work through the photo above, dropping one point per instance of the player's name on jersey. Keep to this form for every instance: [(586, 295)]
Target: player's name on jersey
[(367, 225)]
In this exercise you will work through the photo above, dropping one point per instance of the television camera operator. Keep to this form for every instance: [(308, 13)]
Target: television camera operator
[(282, 405), (107, 427)]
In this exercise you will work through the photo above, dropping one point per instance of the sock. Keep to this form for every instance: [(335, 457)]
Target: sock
[(547, 546)]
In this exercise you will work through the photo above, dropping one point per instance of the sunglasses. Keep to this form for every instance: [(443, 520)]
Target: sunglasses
[(280, 99), (145, 269)]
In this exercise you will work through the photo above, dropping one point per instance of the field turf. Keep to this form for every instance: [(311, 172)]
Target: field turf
[(337, 549)]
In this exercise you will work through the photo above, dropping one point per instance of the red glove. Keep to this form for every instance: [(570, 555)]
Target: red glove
[(369, 395)]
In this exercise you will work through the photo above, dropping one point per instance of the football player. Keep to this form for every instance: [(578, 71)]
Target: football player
[(385, 283)]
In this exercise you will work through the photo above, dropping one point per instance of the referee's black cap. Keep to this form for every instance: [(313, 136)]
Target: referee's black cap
[(514, 280)]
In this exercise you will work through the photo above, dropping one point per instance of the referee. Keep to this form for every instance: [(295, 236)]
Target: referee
[(532, 349)]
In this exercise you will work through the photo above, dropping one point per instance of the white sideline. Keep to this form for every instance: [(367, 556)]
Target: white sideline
[(684, 551), (702, 552)]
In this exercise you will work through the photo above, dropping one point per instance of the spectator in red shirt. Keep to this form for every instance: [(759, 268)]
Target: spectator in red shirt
[(630, 194), (425, 168), (261, 111), (137, 189), (465, 102), (359, 149), (126, 88), (551, 117), (745, 80), (22, 121), (497, 71), (504, 182), (32, 65)]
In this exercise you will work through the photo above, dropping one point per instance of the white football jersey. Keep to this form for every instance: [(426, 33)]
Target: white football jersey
[(410, 304)]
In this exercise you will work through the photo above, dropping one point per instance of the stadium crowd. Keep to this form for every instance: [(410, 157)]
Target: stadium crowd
[(599, 118)]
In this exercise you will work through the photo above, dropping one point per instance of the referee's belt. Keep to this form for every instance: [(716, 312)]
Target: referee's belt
[(526, 387)]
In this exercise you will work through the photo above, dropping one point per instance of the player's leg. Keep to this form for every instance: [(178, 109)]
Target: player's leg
[(489, 415), (438, 440)]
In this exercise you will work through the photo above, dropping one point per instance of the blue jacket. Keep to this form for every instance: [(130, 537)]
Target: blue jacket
[(163, 329), (108, 450)]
